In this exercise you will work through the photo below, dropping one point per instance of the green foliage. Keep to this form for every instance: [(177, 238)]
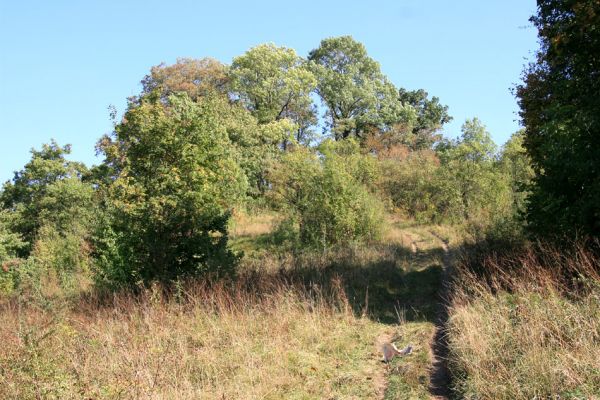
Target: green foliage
[(411, 181), (358, 97), (10, 242), (363, 168), (473, 182), (177, 177), (256, 145), (465, 182), (431, 117), (256, 134), (274, 83), (559, 107), (34, 194), (516, 164), (327, 195), (44, 229), (10, 245), (61, 249)]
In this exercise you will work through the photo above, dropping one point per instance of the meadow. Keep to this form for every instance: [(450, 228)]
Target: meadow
[(261, 229), (290, 326)]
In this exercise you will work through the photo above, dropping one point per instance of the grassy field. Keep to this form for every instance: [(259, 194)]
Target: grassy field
[(531, 329), (294, 325), (309, 325)]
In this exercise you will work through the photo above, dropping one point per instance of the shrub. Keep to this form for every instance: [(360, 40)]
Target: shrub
[(411, 181), (176, 178), (327, 195)]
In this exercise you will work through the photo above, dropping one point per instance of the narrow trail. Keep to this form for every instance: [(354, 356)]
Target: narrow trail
[(440, 378)]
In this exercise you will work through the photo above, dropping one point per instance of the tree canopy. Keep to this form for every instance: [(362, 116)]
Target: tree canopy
[(559, 108), (357, 95), (177, 178), (188, 75), (47, 188), (274, 83)]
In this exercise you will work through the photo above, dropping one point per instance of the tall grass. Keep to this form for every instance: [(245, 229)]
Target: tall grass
[(527, 325), (293, 324), (256, 338)]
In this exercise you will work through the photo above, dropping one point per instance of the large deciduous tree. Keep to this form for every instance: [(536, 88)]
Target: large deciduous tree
[(274, 83), (176, 179), (195, 77), (560, 109), (357, 95), (431, 117)]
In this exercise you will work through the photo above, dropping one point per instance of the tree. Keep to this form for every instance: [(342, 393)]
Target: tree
[(10, 242), (177, 178), (559, 108), (474, 188), (35, 194), (197, 78), (515, 163), (274, 83), (431, 117), (256, 144), (327, 194), (10, 246), (357, 95)]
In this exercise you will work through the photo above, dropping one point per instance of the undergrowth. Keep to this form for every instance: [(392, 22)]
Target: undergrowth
[(526, 324)]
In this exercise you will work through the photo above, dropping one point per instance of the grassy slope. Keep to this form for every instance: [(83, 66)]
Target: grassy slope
[(397, 282), (303, 326), (529, 333), (269, 349)]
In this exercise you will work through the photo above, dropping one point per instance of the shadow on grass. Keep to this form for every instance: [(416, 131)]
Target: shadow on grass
[(399, 285), (386, 282)]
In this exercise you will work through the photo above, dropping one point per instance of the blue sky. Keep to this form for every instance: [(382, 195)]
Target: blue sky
[(62, 63)]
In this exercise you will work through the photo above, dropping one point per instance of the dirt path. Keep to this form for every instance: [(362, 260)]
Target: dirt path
[(428, 336), (440, 378)]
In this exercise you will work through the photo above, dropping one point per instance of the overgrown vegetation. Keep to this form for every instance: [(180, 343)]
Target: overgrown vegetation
[(559, 108), (527, 324), (203, 139), (225, 248)]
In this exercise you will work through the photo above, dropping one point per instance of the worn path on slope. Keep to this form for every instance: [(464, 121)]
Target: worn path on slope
[(440, 378)]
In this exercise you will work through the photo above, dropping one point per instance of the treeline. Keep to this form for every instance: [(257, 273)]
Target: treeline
[(203, 139)]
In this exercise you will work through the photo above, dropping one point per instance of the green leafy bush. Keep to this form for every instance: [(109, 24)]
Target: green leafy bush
[(176, 177), (411, 182), (44, 225), (327, 195)]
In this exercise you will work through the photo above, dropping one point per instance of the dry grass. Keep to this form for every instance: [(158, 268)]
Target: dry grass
[(409, 377), (248, 224), (293, 325), (531, 328), (248, 340)]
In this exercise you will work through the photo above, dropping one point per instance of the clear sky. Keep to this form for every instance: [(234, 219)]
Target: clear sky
[(62, 63)]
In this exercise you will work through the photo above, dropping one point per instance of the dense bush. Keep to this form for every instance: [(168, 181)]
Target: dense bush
[(203, 138), (37, 193), (175, 180), (327, 195), (45, 223), (466, 181), (559, 109), (10, 245), (410, 180)]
